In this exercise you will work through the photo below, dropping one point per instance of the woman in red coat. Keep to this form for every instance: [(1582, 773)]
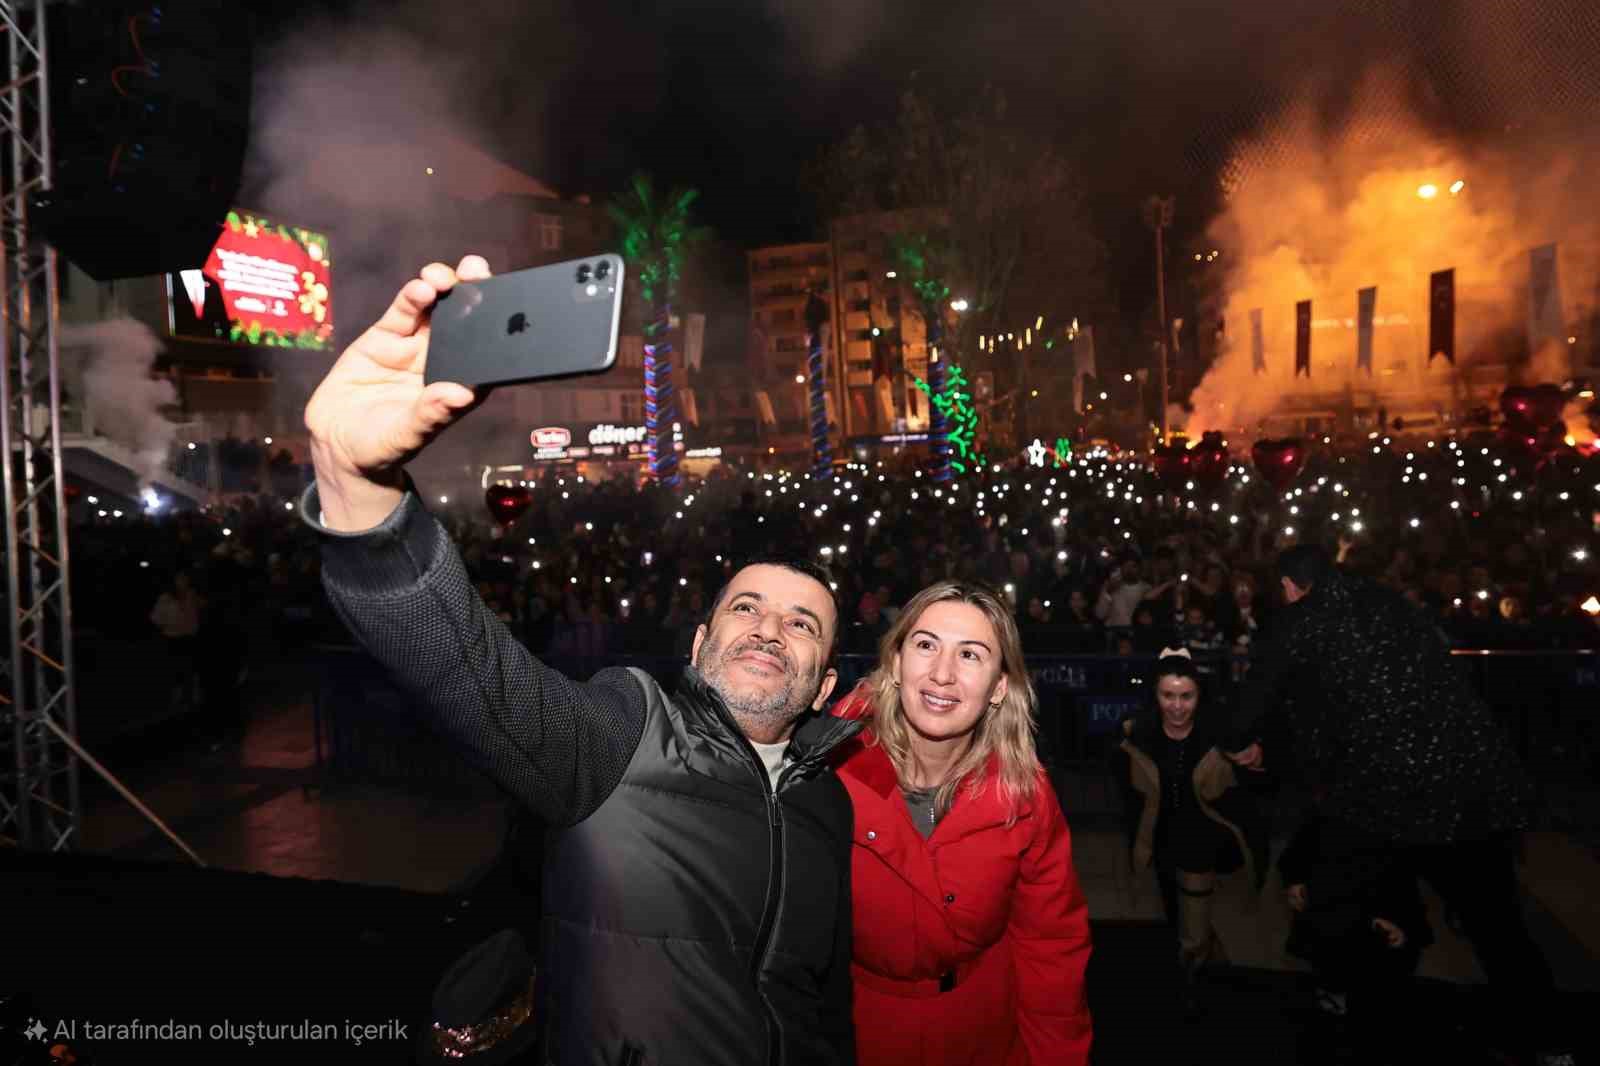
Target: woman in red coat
[(971, 933)]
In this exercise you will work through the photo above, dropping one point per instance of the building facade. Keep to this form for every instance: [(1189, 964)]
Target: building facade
[(782, 279)]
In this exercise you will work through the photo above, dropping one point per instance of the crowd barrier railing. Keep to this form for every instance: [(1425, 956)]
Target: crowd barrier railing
[(1549, 702)]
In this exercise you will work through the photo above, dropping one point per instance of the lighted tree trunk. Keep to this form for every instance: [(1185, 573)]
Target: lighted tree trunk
[(658, 406), (821, 453), (938, 426)]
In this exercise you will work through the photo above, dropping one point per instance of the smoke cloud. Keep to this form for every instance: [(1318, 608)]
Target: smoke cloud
[(110, 363), (1317, 210), (829, 34), (350, 116)]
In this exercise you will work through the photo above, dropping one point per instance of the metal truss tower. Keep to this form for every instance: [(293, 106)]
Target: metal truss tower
[(39, 803)]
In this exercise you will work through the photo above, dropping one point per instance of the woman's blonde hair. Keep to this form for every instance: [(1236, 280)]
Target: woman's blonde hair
[(1003, 732)]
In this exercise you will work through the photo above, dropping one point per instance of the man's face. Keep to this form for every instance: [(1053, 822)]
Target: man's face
[(765, 649)]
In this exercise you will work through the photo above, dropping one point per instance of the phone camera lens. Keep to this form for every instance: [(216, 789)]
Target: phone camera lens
[(583, 274), (602, 270)]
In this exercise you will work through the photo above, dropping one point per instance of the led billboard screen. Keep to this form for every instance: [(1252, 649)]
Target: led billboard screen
[(265, 284)]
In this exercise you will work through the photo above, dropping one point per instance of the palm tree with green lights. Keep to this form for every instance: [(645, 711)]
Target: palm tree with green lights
[(656, 237), (924, 261)]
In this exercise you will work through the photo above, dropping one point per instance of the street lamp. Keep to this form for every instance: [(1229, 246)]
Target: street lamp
[(958, 306)]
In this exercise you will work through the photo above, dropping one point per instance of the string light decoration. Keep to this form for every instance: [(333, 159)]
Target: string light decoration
[(821, 453), (656, 237), (951, 403), (917, 255)]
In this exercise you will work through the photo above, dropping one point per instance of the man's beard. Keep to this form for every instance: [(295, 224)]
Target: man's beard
[(773, 710)]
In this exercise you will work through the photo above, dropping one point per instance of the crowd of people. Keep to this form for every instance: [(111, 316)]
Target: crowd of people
[(1098, 557), (745, 860)]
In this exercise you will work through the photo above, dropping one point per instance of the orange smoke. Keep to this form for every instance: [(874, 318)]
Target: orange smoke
[(1318, 214)]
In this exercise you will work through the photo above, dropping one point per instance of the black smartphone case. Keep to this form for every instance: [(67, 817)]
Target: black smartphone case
[(532, 325)]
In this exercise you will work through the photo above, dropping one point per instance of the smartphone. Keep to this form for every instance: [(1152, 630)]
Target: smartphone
[(530, 325)]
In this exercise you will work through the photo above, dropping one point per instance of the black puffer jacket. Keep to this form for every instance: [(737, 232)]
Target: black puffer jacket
[(697, 916), (691, 913), (1387, 724)]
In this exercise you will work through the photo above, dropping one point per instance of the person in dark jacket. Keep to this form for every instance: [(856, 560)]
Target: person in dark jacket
[(1361, 925), (696, 891), (1190, 815), (1408, 760)]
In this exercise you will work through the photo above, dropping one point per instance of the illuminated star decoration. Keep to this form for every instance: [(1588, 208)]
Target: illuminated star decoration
[(1036, 452), (251, 229)]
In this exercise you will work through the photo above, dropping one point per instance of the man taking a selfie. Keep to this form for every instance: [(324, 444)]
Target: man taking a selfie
[(696, 877)]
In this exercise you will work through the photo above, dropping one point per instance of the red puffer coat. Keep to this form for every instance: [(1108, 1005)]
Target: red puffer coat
[(970, 947)]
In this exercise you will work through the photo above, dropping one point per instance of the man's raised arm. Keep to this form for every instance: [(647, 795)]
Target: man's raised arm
[(398, 582)]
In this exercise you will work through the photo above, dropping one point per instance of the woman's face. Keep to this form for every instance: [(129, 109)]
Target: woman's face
[(1177, 697), (949, 670)]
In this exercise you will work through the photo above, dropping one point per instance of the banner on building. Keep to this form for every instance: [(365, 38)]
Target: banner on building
[(691, 412), (1258, 347), (1366, 305), (1302, 338), (883, 389), (1544, 299), (694, 340), (764, 408), (1442, 315), (1083, 362)]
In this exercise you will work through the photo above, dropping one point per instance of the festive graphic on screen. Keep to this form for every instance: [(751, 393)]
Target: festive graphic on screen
[(264, 284)]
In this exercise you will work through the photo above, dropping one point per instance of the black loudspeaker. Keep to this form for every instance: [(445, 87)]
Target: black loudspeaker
[(150, 118)]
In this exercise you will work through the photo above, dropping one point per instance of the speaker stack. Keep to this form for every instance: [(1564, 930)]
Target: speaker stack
[(150, 117)]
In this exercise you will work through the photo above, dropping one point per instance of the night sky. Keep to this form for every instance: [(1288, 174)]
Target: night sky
[(735, 97)]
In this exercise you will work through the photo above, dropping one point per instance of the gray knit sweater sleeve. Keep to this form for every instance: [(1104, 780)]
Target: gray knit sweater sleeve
[(559, 745)]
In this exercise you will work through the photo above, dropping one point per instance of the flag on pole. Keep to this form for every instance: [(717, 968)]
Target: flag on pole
[(1366, 304), (1258, 349), (1544, 298), (1302, 338), (1442, 315), (694, 340)]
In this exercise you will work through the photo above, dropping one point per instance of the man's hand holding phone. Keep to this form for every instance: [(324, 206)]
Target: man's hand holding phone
[(373, 413)]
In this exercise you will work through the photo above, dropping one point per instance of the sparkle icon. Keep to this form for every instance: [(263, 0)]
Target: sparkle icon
[(36, 1031)]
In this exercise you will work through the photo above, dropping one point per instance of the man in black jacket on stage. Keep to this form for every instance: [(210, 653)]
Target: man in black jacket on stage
[(1409, 766), (697, 862)]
